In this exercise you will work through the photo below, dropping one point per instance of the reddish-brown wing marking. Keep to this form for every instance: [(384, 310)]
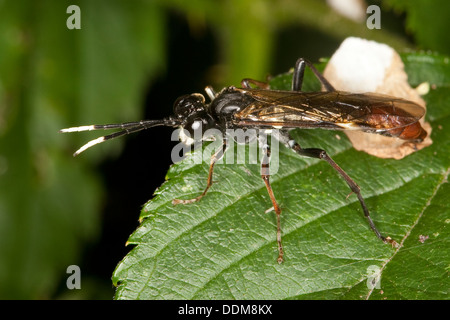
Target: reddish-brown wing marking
[(369, 112)]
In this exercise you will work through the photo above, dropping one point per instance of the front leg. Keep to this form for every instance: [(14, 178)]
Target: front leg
[(214, 158)]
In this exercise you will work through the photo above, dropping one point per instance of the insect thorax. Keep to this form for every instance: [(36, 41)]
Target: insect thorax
[(227, 103)]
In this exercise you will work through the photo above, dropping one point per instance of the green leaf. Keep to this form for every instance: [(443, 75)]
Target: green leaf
[(224, 247)]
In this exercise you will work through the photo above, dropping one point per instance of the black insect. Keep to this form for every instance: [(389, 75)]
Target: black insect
[(262, 108)]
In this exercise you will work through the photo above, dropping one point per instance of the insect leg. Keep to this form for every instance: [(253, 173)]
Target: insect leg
[(284, 137), (214, 158), (127, 128), (299, 70), (245, 83), (265, 176)]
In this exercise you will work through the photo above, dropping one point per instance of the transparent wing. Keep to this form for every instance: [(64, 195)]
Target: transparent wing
[(337, 109)]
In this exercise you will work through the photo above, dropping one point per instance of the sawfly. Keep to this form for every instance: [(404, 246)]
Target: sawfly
[(255, 106)]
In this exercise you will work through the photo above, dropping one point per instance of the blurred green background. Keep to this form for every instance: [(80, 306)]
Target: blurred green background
[(130, 60)]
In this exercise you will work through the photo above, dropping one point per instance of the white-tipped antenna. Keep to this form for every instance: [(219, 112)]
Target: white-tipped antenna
[(88, 145), (127, 128)]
